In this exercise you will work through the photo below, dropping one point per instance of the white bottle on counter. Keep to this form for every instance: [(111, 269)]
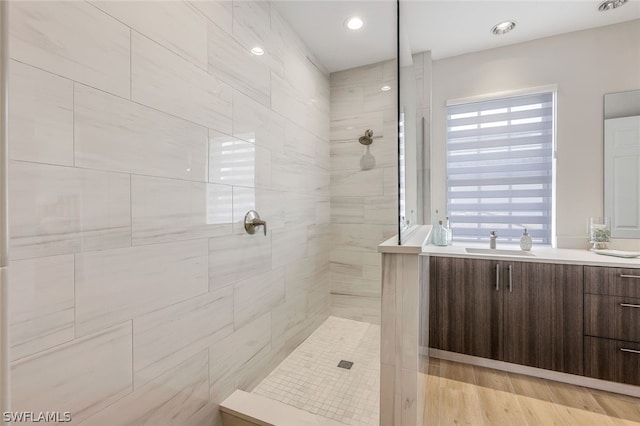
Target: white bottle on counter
[(525, 241)]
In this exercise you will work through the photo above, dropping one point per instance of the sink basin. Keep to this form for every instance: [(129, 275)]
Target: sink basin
[(499, 252)]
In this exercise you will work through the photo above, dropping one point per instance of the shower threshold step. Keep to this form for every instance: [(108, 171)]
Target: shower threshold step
[(246, 409)]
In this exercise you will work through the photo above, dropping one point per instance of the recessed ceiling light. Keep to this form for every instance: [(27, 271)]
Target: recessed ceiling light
[(503, 27), (610, 4), (385, 88), (354, 23), (258, 51)]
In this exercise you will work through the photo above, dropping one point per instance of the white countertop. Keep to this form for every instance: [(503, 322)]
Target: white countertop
[(541, 254), (414, 243)]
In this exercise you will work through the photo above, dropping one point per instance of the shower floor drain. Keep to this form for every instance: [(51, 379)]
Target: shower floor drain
[(345, 364)]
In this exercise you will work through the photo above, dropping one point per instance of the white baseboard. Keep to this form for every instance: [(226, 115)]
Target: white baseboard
[(572, 379)]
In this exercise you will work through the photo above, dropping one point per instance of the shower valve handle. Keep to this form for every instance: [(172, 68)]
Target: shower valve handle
[(252, 221)]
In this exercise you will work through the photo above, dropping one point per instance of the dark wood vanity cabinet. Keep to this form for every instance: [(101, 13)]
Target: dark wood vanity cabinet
[(469, 308), (519, 312), (612, 324), (543, 317)]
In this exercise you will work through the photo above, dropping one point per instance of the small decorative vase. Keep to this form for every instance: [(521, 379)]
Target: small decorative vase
[(599, 232)]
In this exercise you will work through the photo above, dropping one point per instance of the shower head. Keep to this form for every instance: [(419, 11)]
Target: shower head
[(367, 139)]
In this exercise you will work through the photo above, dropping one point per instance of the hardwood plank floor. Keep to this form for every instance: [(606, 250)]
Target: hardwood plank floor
[(462, 394)]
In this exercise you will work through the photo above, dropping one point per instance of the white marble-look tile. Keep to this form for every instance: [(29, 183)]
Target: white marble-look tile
[(289, 244), (390, 181), (42, 304), (74, 40), (301, 144), (162, 80), (252, 23), (348, 127), (289, 174), (238, 257), (387, 395), (165, 210), (257, 295), (112, 133), (347, 209), (175, 25), (388, 336), (58, 210), (362, 183), (348, 282), (41, 116), (346, 100), (234, 64), (175, 398), (304, 108), (219, 12), (117, 285), (271, 205), (357, 236), (236, 162), (244, 200), (235, 351), (299, 209), (257, 123), (361, 75), (166, 337), (81, 377)]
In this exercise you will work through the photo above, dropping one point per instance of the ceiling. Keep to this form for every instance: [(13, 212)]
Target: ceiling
[(445, 27)]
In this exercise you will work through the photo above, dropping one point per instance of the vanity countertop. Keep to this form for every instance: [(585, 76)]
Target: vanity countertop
[(541, 254)]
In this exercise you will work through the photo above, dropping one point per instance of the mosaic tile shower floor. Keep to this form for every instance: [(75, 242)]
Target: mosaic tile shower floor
[(310, 379)]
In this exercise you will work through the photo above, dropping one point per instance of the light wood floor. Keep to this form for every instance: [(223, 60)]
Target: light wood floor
[(461, 394)]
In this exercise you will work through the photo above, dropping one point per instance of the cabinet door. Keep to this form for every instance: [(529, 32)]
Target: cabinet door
[(544, 316), (469, 308)]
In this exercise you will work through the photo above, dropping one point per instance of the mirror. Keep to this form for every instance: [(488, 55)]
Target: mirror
[(622, 163), (413, 136)]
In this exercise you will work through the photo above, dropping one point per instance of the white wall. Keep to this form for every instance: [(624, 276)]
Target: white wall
[(140, 135), (584, 65)]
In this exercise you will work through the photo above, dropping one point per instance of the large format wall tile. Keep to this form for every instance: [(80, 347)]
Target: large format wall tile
[(41, 116), (289, 245), (236, 65), (234, 353), (172, 399), (163, 80), (116, 285), (42, 304), (238, 257), (257, 295), (168, 210), (57, 210), (363, 202), (115, 134), (174, 333), (219, 12), (81, 377), (72, 39), (175, 25), (257, 124), (235, 162)]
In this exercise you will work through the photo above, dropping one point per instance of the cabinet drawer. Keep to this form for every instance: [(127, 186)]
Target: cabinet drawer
[(612, 281), (613, 317), (612, 360)]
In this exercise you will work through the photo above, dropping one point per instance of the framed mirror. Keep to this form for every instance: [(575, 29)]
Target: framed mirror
[(622, 163)]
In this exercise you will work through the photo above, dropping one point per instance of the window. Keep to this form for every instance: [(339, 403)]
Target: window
[(500, 167)]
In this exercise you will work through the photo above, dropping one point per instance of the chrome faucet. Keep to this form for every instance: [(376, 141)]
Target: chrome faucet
[(252, 221), (492, 242)]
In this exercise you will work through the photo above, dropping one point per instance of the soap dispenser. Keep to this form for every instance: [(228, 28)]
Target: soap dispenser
[(525, 241)]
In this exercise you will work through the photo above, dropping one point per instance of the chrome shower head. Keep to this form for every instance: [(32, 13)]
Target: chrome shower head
[(367, 139)]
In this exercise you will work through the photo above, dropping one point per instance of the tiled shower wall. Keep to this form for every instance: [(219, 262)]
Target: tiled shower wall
[(363, 202), (141, 133)]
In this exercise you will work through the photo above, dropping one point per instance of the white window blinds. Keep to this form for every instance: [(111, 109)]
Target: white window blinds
[(499, 168)]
